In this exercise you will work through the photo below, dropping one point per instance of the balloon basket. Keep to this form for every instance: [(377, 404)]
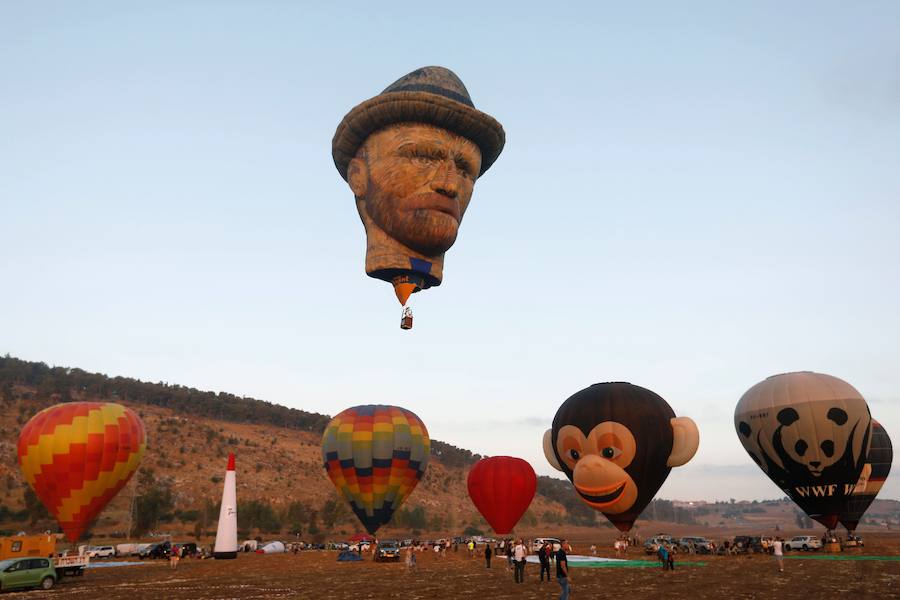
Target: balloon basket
[(832, 547), (406, 321)]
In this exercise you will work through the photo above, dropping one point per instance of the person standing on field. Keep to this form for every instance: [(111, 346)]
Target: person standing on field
[(562, 571), (778, 552), (519, 554), (544, 557)]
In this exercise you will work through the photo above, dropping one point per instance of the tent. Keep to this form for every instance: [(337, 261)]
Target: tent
[(349, 556), (271, 548)]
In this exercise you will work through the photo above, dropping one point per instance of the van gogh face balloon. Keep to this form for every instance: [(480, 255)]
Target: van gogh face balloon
[(412, 155), (77, 456), (810, 433), (375, 456)]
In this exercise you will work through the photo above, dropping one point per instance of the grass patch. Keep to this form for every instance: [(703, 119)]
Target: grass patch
[(839, 557)]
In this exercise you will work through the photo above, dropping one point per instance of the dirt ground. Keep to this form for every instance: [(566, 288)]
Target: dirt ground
[(317, 575)]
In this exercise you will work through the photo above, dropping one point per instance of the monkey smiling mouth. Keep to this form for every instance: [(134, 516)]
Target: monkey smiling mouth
[(603, 498)]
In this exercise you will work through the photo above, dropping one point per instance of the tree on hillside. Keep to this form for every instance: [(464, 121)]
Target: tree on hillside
[(334, 511), (297, 516), (34, 508), (154, 503), (414, 519), (258, 514)]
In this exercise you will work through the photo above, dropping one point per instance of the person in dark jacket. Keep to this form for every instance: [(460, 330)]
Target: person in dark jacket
[(544, 557), (487, 555)]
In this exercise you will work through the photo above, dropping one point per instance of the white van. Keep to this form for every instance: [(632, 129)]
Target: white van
[(101, 552), (803, 542), (538, 542)]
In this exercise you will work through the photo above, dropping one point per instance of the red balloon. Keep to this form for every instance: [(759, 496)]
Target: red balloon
[(502, 488)]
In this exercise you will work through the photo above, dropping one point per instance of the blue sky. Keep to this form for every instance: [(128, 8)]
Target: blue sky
[(692, 197)]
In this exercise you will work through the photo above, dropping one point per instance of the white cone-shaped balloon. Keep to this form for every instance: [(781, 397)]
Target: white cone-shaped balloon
[(226, 535)]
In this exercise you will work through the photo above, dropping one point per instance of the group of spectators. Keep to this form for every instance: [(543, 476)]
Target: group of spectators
[(516, 557)]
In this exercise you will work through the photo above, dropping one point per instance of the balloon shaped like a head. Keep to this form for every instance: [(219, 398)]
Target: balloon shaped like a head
[(617, 442)]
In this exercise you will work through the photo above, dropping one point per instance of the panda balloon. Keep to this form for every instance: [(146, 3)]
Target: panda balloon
[(810, 434)]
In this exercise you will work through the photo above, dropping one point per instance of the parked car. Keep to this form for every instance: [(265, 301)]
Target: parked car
[(19, 573), (748, 543), (159, 550), (101, 551), (387, 550), (803, 542), (359, 547), (651, 546), (187, 549), (538, 542), (700, 545)]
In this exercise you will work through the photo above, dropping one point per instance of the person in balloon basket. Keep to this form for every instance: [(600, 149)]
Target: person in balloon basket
[(544, 553), (778, 553), (562, 571), (519, 554), (487, 555)]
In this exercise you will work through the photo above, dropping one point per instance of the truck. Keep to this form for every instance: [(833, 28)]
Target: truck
[(19, 546)]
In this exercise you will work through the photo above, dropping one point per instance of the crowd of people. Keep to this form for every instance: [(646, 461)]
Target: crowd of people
[(516, 552)]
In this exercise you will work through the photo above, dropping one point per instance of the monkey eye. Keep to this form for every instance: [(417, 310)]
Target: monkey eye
[(610, 452), (574, 454)]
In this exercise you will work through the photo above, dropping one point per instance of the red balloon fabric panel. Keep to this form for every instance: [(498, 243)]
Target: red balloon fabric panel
[(502, 488)]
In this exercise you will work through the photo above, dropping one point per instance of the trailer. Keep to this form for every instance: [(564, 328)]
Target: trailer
[(18, 546), (71, 566), (44, 546)]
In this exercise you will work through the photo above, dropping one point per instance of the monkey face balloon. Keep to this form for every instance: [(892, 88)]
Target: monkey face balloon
[(617, 442)]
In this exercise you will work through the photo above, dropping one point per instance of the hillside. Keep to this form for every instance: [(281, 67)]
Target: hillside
[(282, 487), (190, 434)]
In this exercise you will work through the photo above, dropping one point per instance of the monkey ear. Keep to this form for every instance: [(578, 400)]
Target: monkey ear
[(358, 177), (685, 440), (548, 450)]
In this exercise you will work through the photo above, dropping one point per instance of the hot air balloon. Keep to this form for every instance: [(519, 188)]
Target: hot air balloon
[(77, 456), (874, 473), (809, 433), (375, 456), (412, 156), (502, 488), (617, 442)]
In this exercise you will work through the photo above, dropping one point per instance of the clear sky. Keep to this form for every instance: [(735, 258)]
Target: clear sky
[(693, 196)]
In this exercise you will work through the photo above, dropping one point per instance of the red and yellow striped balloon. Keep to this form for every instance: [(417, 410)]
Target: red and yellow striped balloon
[(77, 456)]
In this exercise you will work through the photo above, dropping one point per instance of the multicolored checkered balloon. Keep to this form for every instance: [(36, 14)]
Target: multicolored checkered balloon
[(77, 456), (375, 456)]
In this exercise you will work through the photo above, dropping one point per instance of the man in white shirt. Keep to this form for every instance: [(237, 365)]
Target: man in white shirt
[(519, 554), (778, 553)]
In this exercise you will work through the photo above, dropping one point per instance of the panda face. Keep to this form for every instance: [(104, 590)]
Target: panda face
[(806, 437), (819, 446)]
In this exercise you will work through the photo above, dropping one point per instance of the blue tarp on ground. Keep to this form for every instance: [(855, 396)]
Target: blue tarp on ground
[(348, 556)]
